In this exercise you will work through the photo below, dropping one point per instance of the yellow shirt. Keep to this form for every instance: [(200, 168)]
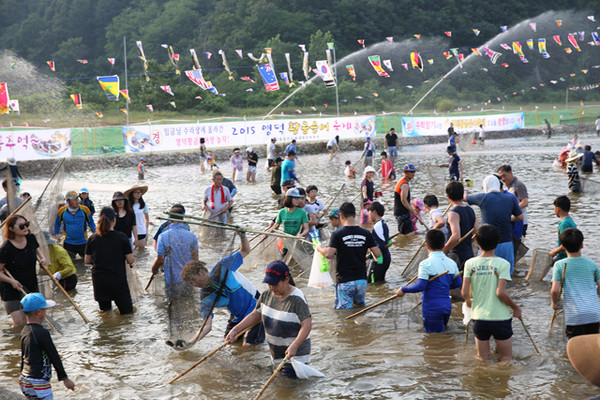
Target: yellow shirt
[(61, 262)]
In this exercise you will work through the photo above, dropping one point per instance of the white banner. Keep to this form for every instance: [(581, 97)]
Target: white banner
[(35, 144), (438, 126), (244, 133)]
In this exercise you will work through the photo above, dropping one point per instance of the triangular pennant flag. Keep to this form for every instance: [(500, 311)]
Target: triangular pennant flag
[(240, 53), (376, 63), (503, 28), (247, 79), (591, 18), (448, 55), (505, 65), (430, 61), (542, 47), (573, 42), (351, 71), (284, 77), (585, 71), (405, 65), (99, 114), (388, 64), (167, 89), (559, 22), (51, 65), (13, 65), (208, 54), (476, 51), (111, 61), (533, 26), (568, 50), (149, 107), (557, 39), (530, 44), (82, 61), (110, 85), (390, 38), (417, 35), (476, 32), (448, 33), (124, 110), (596, 38), (416, 61), (581, 36), (172, 103), (77, 100), (125, 94), (505, 46), (361, 42), (302, 47)]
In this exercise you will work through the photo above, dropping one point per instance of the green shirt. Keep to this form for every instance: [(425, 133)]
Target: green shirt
[(563, 224), (292, 221), (485, 272)]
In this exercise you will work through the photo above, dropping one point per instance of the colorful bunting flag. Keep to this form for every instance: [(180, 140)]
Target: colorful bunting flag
[(167, 89), (226, 64), (99, 114), (13, 65), (240, 53), (376, 63), (124, 110), (557, 39), (596, 38), (330, 45), (476, 32), (268, 76), (82, 61), (503, 28), (581, 36), (388, 64), (476, 51), (493, 55), (195, 76), (174, 59), (530, 44), (289, 65), (517, 49), (542, 47), (405, 65), (284, 77), (430, 61), (142, 57), (351, 71), (305, 67), (110, 85), (149, 107), (416, 61), (208, 54), (195, 59), (568, 50), (448, 33), (455, 53), (591, 18), (533, 26), (302, 47), (111, 61), (249, 90), (417, 35), (172, 103), (448, 55), (51, 65), (505, 65), (505, 46), (585, 71), (573, 42), (325, 72), (361, 42), (390, 38), (375, 94), (4, 98), (247, 79), (125, 94), (77, 100), (559, 22)]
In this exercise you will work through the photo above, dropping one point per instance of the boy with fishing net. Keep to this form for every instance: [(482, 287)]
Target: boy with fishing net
[(284, 312), (485, 277), (579, 283), (435, 292), (224, 286)]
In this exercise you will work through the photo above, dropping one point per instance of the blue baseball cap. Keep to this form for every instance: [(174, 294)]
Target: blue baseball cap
[(84, 190), (335, 213), (276, 272), (35, 301), (409, 168)]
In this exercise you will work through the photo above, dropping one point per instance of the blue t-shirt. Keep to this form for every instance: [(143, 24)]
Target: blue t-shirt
[(290, 147), (238, 294), (176, 245), (496, 209), (587, 161), (436, 294), (453, 167), (75, 225), (287, 170), (580, 296)]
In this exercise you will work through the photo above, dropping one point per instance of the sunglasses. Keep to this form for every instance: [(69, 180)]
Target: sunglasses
[(24, 225)]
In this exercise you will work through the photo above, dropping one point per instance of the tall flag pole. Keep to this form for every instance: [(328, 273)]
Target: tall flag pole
[(337, 95), (126, 88)]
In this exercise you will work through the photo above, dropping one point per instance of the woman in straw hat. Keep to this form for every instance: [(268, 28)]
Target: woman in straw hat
[(126, 222), (140, 209)]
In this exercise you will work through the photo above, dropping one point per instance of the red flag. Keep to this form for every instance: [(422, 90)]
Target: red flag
[(111, 61), (77, 100), (448, 33), (82, 61), (51, 65)]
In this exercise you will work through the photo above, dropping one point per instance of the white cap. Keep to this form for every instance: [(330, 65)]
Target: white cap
[(249, 150)]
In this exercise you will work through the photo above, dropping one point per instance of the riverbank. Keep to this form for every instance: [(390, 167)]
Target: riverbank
[(222, 155)]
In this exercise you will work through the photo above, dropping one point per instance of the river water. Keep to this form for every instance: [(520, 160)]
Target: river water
[(385, 355)]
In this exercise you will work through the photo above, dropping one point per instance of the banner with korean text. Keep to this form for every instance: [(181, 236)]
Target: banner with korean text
[(145, 138), (35, 144), (438, 126)]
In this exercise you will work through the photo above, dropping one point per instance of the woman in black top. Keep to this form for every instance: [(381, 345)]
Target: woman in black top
[(108, 250), (18, 255), (126, 221)]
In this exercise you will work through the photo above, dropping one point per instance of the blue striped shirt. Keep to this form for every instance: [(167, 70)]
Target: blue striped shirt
[(580, 295)]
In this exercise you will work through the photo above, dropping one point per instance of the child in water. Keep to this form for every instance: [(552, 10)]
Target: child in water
[(349, 170), (419, 207), (211, 160)]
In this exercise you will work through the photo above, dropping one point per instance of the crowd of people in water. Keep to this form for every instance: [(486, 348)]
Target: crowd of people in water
[(354, 249)]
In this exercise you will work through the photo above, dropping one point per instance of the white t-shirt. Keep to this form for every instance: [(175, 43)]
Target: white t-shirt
[(598, 124), (313, 208), (271, 151), (433, 215), (481, 134), (140, 218), (332, 142)]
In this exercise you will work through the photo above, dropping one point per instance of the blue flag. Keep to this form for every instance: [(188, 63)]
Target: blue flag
[(268, 76)]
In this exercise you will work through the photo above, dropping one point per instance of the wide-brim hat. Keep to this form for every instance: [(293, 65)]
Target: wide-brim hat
[(143, 189), (369, 169), (583, 352), (118, 196), (575, 157)]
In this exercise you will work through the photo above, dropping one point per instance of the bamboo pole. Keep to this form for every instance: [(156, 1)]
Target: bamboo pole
[(16, 211), (64, 292), (332, 200), (266, 385), (528, 334), (562, 283)]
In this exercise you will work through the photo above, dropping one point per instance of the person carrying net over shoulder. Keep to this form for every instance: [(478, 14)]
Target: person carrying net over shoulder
[(224, 286)]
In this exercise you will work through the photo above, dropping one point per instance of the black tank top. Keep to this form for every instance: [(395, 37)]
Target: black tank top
[(467, 221)]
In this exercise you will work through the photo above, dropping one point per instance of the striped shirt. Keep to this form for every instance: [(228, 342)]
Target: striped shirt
[(580, 296), (282, 321)]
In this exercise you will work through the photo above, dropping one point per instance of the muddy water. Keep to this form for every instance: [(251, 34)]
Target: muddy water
[(383, 355)]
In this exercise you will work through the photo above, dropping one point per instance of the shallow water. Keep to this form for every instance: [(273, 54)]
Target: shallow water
[(385, 354)]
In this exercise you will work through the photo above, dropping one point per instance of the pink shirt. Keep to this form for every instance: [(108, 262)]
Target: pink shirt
[(386, 167)]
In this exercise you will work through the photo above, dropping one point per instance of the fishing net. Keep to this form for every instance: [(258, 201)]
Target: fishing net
[(136, 289), (299, 254), (413, 266), (521, 251), (589, 185), (540, 264)]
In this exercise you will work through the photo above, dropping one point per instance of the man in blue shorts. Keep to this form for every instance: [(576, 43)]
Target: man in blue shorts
[(486, 277), (350, 244), (498, 209)]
